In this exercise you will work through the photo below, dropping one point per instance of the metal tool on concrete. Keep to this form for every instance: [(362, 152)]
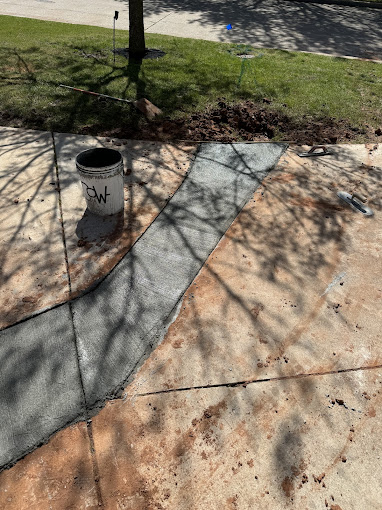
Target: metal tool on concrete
[(309, 154), (143, 104), (353, 200)]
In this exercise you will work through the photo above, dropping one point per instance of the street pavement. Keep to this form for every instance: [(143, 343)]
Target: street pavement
[(258, 386), (295, 26)]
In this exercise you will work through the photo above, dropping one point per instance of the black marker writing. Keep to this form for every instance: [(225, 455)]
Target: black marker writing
[(99, 197)]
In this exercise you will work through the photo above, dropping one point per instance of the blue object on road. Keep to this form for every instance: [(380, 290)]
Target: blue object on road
[(229, 27)]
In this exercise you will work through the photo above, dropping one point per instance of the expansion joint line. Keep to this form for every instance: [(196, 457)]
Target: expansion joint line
[(58, 189), (86, 410), (245, 383), (164, 17), (69, 282)]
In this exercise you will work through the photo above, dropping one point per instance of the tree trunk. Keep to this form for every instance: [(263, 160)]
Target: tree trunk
[(137, 44)]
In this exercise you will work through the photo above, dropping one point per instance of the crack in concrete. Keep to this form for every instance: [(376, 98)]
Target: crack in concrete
[(245, 383), (95, 467), (155, 22), (78, 341)]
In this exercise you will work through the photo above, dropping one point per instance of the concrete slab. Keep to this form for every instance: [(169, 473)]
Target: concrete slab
[(118, 323), (307, 443), (57, 475), (293, 287), (40, 387), (32, 258), (34, 272), (276, 439), (95, 245)]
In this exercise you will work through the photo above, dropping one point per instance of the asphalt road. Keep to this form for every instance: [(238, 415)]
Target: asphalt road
[(329, 29)]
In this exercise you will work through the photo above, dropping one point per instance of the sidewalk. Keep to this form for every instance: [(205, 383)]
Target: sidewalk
[(39, 269), (336, 30), (265, 389)]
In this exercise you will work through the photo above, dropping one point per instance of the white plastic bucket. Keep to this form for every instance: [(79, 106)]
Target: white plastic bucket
[(101, 174)]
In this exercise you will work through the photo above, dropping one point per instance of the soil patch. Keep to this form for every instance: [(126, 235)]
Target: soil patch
[(246, 121)]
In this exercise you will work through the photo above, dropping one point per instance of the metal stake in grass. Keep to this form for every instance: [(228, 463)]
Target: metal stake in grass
[(114, 20), (243, 64)]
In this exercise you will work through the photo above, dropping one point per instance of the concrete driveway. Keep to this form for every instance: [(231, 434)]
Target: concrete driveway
[(329, 29), (265, 388)]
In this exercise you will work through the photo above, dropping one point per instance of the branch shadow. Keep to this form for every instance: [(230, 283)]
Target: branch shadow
[(329, 29), (313, 224)]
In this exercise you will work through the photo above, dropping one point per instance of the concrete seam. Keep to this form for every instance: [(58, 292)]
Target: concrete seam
[(87, 416), (61, 215), (148, 28), (245, 383), (94, 464)]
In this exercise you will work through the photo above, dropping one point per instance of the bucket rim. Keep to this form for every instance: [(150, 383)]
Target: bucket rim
[(94, 169), (117, 168)]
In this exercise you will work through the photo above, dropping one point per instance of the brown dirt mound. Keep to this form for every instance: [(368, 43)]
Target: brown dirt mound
[(227, 123), (249, 121)]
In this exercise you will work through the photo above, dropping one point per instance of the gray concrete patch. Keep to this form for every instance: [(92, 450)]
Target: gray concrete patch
[(40, 389), (116, 324), (119, 322)]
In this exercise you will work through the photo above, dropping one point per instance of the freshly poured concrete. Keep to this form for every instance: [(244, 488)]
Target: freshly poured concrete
[(40, 387), (105, 333), (241, 441), (116, 325)]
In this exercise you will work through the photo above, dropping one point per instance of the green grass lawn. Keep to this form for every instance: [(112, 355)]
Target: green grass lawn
[(36, 56)]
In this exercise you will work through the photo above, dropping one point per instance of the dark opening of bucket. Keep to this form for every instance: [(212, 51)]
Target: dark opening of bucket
[(99, 157)]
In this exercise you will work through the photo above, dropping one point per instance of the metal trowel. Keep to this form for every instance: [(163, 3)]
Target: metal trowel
[(309, 154), (355, 204)]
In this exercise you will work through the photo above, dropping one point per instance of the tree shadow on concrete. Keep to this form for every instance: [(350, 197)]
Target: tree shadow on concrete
[(28, 169), (285, 246), (291, 252)]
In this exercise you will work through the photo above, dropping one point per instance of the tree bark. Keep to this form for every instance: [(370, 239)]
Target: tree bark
[(137, 46)]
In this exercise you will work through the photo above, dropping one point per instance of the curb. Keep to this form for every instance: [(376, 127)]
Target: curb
[(348, 3)]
